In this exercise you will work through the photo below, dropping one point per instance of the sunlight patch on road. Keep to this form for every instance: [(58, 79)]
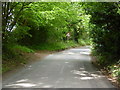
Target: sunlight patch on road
[(86, 53), (85, 75), (76, 72), (66, 62), (86, 78), (23, 80), (22, 85)]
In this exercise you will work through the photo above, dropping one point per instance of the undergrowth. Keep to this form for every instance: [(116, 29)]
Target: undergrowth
[(54, 46), (14, 56), (112, 68)]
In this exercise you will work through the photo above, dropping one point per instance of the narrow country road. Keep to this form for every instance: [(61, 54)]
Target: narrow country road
[(66, 69)]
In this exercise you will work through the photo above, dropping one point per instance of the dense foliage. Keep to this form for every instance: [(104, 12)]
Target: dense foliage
[(37, 23), (27, 26), (106, 32)]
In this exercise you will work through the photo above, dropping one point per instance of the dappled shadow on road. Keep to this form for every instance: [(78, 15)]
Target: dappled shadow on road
[(68, 69), (83, 51), (86, 75), (72, 54), (68, 56), (86, 71), (26, 83)]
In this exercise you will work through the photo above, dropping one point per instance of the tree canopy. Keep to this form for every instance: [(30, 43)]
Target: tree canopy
[(33, 24)]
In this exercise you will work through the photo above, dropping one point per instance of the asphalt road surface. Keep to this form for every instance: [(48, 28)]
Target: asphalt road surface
[(71, 68)]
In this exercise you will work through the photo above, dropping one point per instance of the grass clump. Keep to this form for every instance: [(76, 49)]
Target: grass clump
[(115, 70), (23, 49), (54, 46)]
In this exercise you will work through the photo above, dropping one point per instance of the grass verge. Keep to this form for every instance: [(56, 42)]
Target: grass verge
[(14, 56)]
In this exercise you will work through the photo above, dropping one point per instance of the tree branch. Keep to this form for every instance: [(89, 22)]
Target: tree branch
[(18, 14)]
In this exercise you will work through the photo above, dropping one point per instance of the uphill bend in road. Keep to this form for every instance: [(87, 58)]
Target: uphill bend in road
[(67, 69)]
